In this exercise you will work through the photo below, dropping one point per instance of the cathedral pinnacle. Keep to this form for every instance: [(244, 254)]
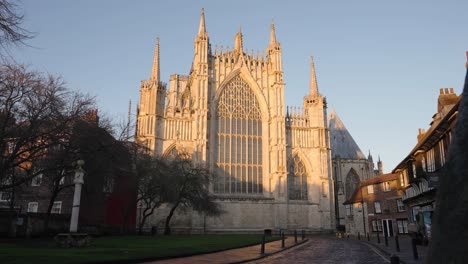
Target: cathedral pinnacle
[(272, 33), (238, 43), (313, 79), (201, 27), (155, 74)]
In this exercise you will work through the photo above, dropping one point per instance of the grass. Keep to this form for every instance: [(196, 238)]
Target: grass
[(120, 248)]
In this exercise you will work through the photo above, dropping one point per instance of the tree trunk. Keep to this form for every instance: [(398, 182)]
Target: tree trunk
[(143, 221), (12, 216), (167, 228), (54, 195)]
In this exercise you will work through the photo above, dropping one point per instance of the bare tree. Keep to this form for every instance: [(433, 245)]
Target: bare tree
[(11, 31), (189, 188), (153, 178), (37, 113), (60, 160)]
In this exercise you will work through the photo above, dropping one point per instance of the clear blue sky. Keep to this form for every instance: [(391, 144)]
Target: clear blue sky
[(379, 63)]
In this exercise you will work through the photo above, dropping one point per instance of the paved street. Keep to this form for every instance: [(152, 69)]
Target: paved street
[(327, 249)]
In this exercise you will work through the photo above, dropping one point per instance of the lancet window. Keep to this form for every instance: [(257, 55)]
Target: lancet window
[(238, 141), (352, 182), (297, 179)]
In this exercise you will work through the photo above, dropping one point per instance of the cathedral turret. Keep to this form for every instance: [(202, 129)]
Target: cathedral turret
[(155, 73), (275, 56), (199, 85), (272, 34), (238, 43), (151, 106), (201, 26), (380, 166), (313, 87), (201, 42), (314, 102)]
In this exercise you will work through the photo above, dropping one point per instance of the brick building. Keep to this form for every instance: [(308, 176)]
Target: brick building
[(377, 207), (108, 197)]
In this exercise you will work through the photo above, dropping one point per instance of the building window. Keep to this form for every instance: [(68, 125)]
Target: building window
[(352, 183), (414, 170), (5, 196), (386, 186), (56, 208), (238, 152), (349, 210), (400, 205), (442, 152), (377, 208), (423, 164), (32, 207), (297, 180), (370, 188), (402, 178), (37, 180), (430, 160), (402, 226), (405, 177), (376, 225)]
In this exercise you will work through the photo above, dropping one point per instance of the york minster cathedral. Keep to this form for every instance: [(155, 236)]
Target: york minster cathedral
[(272, 163)]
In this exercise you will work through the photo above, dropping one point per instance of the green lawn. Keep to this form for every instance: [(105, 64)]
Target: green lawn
[(119, 248)]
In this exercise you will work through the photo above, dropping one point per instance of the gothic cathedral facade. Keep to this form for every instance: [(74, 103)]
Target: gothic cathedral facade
[(272, 164)]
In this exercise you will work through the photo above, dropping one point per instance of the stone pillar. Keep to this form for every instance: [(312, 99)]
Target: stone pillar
[(79, 173)]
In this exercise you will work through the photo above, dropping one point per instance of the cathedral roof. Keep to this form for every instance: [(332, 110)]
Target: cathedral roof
[(357, 195), (380, 179), (341, 141)]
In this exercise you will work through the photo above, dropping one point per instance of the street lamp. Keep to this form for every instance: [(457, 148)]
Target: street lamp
[(79, 173)]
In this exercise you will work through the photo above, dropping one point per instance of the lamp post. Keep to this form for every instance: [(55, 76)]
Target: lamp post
[(79, 173)]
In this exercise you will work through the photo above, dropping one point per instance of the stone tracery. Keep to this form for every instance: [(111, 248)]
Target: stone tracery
[(297, 179), (239, 140)]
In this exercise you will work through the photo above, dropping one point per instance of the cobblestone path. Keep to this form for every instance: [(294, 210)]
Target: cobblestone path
[(327, 249)]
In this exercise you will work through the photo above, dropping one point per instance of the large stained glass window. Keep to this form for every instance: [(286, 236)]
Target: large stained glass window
[(238, 141), (297, 179)]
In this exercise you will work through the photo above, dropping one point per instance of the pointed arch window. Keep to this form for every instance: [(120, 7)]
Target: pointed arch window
[(238, 143), (297, 179), (352, 182)]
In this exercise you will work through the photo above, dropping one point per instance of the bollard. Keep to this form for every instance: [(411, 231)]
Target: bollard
[(386, 240), (262, 248), (282, 239), (394, 259), (368, 237), (415, 249), (347, 236), (358, 236), (378, 238), (303, 235), (295, 236), (397, 243)]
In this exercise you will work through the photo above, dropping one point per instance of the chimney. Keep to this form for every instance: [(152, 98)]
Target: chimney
[(447, 97), (421, 133)]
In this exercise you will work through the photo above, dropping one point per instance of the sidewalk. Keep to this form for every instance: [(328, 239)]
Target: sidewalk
[(238, 255), (406, 249)]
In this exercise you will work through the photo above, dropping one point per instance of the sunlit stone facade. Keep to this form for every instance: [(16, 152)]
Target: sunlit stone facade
[(271, 162)]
